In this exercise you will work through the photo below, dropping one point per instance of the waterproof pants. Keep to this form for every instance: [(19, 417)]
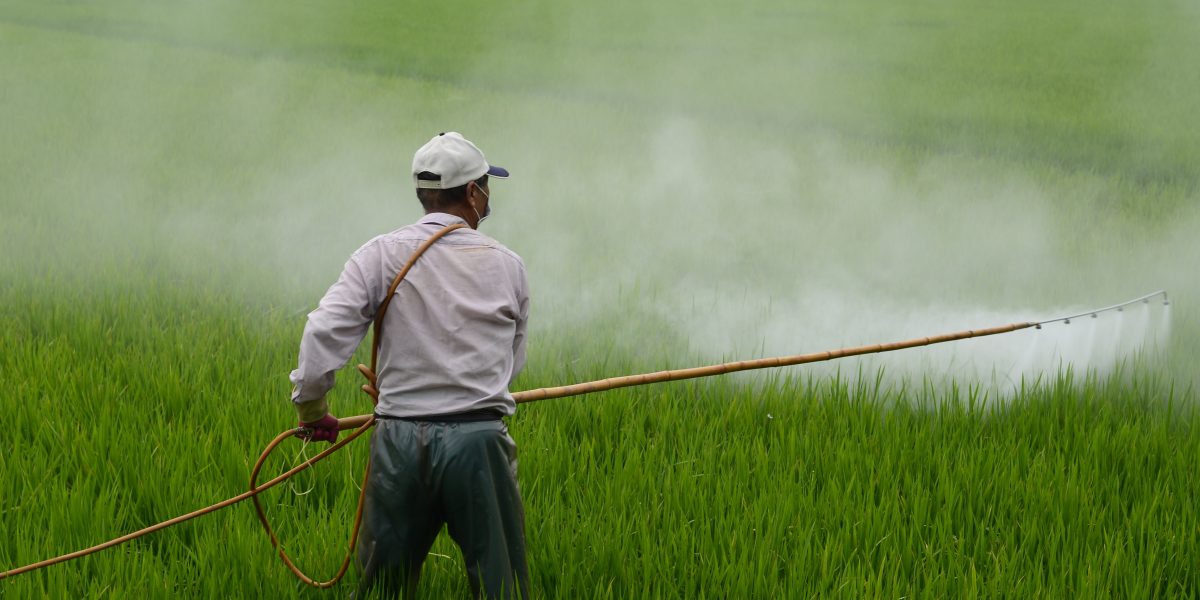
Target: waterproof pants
[(425, 474)]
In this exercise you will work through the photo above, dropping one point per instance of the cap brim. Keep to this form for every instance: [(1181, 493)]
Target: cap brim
[(494, 171)]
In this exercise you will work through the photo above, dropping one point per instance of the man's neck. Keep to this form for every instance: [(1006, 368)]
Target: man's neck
[(462, 211)]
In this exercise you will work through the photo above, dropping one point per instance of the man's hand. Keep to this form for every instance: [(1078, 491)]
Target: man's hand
[(323, 430)]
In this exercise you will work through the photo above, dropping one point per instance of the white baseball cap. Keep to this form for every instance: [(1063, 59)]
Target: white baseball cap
[(455, 159)]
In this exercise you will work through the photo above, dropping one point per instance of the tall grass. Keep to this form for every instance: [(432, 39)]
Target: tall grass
[(789, 486)]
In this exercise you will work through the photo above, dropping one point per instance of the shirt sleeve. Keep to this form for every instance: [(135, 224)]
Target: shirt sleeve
[(522, 324), (334, 330)]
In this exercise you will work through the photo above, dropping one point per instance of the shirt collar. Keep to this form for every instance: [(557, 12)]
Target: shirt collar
[(443, 219)]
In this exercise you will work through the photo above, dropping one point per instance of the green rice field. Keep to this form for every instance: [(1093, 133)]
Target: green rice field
[(692, 183)]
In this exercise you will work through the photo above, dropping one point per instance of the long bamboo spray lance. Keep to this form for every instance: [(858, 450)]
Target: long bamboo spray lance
[(766, 363)]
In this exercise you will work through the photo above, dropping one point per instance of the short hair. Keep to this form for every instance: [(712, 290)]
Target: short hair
[(439, 199)]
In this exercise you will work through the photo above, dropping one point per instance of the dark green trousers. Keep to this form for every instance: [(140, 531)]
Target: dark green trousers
[(425, 474)]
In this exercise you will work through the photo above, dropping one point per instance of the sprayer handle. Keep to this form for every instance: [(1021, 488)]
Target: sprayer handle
[(352, 422)]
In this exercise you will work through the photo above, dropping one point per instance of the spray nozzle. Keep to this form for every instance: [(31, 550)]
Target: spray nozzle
[(1066, 321), (1093, 315)]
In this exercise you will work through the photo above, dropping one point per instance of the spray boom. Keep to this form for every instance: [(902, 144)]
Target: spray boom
[(1117, 307)]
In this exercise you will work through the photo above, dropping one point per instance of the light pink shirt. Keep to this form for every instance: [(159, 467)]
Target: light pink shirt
[(453, 336)]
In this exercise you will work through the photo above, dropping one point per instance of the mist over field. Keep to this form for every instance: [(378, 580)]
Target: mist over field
[(756, 188)]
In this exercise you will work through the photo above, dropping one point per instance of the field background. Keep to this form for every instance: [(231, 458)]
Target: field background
[(692, 182)]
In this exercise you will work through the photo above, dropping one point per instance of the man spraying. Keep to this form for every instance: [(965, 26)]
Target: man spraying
[(453, 340)]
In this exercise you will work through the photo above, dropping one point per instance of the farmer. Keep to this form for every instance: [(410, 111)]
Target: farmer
[(453, 339)]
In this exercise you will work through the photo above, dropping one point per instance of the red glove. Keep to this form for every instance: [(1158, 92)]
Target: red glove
[(324, 430)]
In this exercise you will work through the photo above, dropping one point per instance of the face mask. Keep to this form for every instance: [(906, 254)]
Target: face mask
[(487, 212)]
